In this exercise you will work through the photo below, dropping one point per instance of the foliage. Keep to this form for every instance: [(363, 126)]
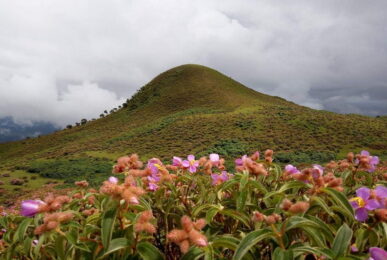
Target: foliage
[(259, 212)]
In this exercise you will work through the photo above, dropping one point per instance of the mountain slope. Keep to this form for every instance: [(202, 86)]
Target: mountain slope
[(194, 109)]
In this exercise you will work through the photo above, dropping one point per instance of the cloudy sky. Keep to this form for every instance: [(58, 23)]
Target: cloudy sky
[(64, 60)]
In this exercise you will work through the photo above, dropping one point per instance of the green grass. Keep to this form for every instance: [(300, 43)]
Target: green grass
[(34, 182), (194, 109)]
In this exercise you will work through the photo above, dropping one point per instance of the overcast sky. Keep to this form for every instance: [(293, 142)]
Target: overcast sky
[(69, 59)]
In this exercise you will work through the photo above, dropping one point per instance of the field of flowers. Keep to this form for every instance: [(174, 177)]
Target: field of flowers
[(195, 208)]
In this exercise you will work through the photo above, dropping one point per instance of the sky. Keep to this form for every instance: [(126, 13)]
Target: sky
[(63, 60)]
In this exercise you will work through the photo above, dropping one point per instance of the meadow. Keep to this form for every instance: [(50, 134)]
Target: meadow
[(207, 207)]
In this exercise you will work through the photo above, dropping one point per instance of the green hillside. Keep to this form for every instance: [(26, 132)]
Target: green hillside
[(195, 109)]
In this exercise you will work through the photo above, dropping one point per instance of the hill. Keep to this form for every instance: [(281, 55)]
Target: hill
[(195, 109)]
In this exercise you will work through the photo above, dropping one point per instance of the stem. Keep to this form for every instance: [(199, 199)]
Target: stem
[(279, 236)]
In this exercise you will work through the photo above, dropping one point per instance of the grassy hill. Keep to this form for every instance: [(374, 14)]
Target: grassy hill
[(195, 109)]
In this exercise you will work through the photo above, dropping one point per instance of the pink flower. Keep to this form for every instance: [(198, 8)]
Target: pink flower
[(30, 208), (291, 169), (191, 164), (113, 180), (378, 253), (240, 161), (177, 161), (219, 178), (214, 158)]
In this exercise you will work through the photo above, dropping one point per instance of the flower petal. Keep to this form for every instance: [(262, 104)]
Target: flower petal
[(381, 192), (191, 157), (365, 153), (378, 253), (363, 193), (372, 204), (361, 214)]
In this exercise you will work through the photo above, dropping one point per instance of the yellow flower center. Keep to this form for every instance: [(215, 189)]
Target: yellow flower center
[(158, 166), (359, 201), (192, 162)]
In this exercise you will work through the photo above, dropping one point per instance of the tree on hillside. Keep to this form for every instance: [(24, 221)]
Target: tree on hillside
[(69, 126), (83, 121)]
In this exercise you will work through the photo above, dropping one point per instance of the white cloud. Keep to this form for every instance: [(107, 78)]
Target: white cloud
[(292, 49)]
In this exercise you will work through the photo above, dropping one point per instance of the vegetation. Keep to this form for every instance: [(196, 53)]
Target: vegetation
[(195, 209)]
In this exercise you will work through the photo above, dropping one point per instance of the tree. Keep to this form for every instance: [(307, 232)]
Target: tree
[(101, 115), (83, 121), (69, 126)]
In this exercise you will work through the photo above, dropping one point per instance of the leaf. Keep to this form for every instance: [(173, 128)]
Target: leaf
[(300, 222), (107, 226), (21, 229), (148, 251), (249, 241), (193, 254), (228, 242), (116, 244), (236, 215), (285, 187), (342, 240), (281, 254), (209, 252), (341, 201), (314, 250)]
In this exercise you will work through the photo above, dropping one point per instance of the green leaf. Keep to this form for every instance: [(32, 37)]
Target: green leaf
[(193, 254), (228, 242), (285, 187), (341, 201), (148, 251), (21, 229), (116, 244), (209, 252), (342, 241), (281, 254), (313, 250), (107, 226), (249, 241), (300, 222), (236, 215)]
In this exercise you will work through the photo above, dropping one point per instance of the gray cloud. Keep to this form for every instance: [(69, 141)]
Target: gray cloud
[(64, 60)]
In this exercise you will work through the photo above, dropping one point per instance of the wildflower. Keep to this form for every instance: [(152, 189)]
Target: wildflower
[(35, 242), (83, 184), (30, 208), (378, 253), (269, 156), (366, 161), (381, 214), (296, 208), (362, 203), (191, 163), (189, 235), (219, 178), (177, 161), (240, 161), (255, 156), (143, 223), (52, 221), (214, 158), (113, 180), (380, 194), (127, 163), (290, 169)]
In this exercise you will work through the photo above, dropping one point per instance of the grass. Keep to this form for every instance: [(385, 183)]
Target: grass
[(194, 109), (34, 182)]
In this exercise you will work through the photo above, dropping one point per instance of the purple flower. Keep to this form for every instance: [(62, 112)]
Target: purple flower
[(152, 186), (154, 165), (219, 178), (191, 163), (240, 161), (30, 208), (214, 158), (35, 242), (291, 169), (381, 195), (113, 180), (377, 253), (362, 203), (177, 161)]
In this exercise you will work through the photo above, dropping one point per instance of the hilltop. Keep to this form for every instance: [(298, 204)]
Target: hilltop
[(195, 109)]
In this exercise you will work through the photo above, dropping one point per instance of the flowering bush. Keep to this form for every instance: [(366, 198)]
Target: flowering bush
[(195, 208)]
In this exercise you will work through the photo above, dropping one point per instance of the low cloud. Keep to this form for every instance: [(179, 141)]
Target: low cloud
[(61, 61)]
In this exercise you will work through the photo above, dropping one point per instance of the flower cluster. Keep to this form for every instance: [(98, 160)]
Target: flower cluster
[(52, 221), (144, 224), (190, 234), (271, 219), (29, 208), (295, 208), (127, 191), (251, 165)]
